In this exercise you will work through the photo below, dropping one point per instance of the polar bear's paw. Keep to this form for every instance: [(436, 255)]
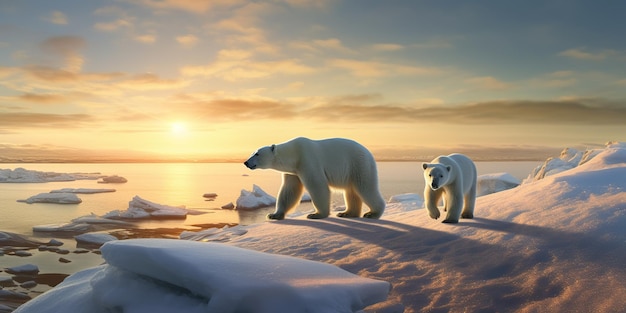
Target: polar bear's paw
[(276, 216), (450, 221), (374, 215), (434, 215), (467, 215), (316, 216), (346, 214)]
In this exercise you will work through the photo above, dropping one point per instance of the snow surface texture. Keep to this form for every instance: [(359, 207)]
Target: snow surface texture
[(49, 197), (164, 275), (551, 245)]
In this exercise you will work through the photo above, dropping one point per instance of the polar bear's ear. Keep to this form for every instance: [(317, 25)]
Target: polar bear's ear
[(424, 165), (448, 167), (273, 147)]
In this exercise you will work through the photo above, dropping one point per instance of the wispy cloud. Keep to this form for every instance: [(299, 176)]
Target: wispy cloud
[(68, 48), (584, 54), (19, 120), (374, 69), (387, 47), (191, 6), (57, 17), (488, 83), (371, 109), (187, 40), (234, 65)]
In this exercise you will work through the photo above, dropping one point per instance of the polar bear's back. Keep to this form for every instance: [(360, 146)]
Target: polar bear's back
[(343, 160)]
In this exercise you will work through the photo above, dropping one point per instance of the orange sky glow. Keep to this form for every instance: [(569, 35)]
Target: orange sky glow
[(144, 80)]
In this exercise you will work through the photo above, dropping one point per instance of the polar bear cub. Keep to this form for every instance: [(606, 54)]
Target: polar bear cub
[(318, 165), (452, 178)]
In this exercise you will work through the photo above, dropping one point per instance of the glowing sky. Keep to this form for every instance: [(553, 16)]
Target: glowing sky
[(217, 79)]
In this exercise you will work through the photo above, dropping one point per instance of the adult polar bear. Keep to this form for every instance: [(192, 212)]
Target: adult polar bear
[(318, 165), (452, 177)]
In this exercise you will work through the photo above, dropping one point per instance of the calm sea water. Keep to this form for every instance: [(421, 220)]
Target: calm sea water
[(184, 184)]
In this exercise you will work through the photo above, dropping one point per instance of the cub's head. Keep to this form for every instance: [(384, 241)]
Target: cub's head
[(262, 158), (436, 175)]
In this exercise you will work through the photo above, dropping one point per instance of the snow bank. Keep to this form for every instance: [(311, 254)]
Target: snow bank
[(139, 208), (59, 198), (162, 275), (492, 183), (569, 158)]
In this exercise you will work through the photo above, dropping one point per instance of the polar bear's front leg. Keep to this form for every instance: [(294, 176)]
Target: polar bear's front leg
[(454, 203), (431, 197), (288, 196)]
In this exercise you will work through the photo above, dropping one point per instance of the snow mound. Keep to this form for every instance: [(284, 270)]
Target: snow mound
[(569, 158), (164, 275), (59, 198), (492, 183), (139, 208)]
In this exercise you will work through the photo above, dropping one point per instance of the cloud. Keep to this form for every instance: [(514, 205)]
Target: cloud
[(581, 54), (488, 83), (57, 17), (41, 98), (333, 44), (387, 47), (373, 69), (369, 109), (187, 40), (234, 65), (146, 38), (11, 121), (191, 6), (308, 3), (68, 48), (113, 25)]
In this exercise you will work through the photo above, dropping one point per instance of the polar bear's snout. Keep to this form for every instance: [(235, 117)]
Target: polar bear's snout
[(249, 165)]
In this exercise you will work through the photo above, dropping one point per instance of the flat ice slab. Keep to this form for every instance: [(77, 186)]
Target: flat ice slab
[(59, 198), (164, 275)]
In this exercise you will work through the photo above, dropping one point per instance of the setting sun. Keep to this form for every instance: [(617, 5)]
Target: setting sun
[(178, 128)]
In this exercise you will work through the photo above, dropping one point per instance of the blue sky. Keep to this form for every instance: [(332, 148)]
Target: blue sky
[(405, 78)]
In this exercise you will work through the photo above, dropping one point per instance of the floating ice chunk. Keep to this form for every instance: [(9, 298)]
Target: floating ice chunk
[(94, 238), (62, 228), (14, 240), (21, 175), (257, 198), (112, 180), (60, 198), (83, 190), (26, 269), (139, 208), (492, 183)]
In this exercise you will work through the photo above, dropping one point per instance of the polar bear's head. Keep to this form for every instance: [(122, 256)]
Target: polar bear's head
[(436, 175), (262, 158)]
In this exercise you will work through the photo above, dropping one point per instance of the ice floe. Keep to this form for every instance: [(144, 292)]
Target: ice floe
[(58, 198), (139, 208), (492, 183), (21, 175), (83, 190)]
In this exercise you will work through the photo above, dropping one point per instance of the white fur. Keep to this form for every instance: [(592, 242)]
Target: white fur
[(452, 178), (318, 165)]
